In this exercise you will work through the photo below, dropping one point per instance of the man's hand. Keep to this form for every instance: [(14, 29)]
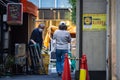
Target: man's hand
[(33, 41)]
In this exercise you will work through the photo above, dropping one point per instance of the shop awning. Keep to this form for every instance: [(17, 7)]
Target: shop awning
[(29, 7)]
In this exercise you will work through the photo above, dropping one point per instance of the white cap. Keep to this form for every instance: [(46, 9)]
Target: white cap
[(42, 26), (62, 23)]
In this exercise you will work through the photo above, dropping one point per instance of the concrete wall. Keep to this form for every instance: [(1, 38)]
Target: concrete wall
[(94, 6), (94, 42), (118, 37), (94, 46)]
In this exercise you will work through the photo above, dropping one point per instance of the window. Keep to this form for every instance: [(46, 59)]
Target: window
[(54, 4), (47, 4), (63, 4), (35, 2), (51, 3)]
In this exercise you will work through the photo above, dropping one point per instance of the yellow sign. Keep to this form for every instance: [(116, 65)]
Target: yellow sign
[(94, 21)]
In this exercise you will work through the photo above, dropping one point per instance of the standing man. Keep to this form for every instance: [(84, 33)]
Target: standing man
[(62, 38), (36, 38), (37, 35)]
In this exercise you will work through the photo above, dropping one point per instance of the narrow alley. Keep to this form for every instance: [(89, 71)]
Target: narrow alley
[(35, 36)]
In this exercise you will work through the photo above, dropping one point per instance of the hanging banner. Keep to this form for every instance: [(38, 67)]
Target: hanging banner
[(94, 21), (14, 13)]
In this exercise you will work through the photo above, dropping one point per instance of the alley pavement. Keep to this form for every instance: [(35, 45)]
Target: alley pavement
[(52, 76)]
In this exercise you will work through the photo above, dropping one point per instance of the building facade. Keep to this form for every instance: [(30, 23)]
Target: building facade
[(110, 36), (12, 34)]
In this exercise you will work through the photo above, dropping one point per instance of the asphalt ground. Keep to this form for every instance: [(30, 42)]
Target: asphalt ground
[(52, 76)]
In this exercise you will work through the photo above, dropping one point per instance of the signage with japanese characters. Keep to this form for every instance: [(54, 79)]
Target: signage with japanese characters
[(94, 21), (14, 13)]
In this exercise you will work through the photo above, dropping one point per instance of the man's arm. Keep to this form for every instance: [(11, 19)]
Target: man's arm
[(32, 41)]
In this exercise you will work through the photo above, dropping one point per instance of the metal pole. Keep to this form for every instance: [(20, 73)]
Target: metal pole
[(81, 29)]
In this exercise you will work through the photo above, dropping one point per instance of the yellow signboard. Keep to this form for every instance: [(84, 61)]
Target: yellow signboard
[(94, 21)]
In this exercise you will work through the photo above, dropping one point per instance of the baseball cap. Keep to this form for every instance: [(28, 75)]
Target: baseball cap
[(62, 23)]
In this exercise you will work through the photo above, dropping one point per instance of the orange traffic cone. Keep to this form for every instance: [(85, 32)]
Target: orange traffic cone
[(82, 70), (86, 67), (66, 70)]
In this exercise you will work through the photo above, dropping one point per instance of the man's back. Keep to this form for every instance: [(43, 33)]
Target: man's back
[(62, 39), (37, 36)]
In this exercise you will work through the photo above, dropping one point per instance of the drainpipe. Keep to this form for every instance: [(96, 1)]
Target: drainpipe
[(112, 41), (108, 56), (109, 44)]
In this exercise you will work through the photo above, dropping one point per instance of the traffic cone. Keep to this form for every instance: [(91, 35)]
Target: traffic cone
[(66, 69), (82, 70), (86, 67)]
